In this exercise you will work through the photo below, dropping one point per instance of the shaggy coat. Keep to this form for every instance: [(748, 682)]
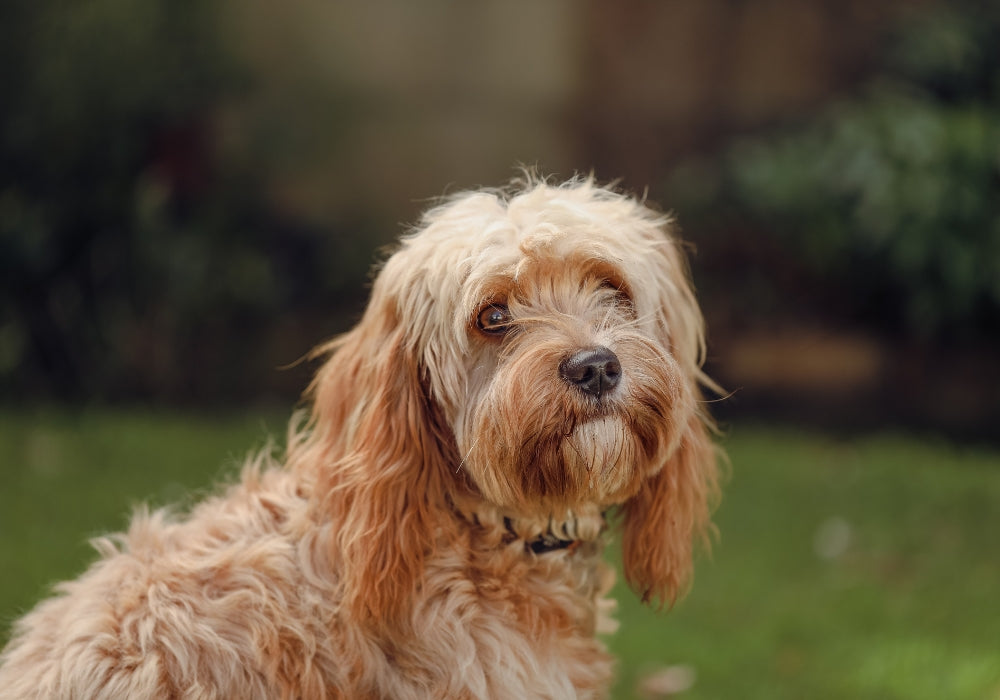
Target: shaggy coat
[(527, 372)]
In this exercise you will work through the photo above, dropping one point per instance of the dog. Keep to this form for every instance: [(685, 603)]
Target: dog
[(525, 381)]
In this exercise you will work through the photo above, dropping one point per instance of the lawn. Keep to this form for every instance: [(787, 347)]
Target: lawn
[(861, 568)]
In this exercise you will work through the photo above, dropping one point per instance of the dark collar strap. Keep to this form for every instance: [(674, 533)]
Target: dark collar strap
[(541, 544), (548, 543)]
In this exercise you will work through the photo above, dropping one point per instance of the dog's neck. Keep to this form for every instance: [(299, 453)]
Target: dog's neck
[(538, 532)]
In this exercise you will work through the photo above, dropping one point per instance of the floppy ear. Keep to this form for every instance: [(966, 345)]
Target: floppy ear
[(672, 509), (384, 451), (667, 517)]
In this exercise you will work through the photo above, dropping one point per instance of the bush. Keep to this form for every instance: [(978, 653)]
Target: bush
[(135, 261), (889, 202)]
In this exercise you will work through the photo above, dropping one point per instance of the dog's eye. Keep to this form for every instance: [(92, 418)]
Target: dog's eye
[(494, 319), (614, 285), (618, 290)]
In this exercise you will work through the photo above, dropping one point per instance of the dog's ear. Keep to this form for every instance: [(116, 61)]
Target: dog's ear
[(383, 449), (667, 517), (671, 512)]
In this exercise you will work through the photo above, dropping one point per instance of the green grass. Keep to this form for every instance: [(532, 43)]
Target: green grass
[(903, 603), (65, 478)]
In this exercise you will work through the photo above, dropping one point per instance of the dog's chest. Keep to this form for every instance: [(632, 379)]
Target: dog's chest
[(509, 623)]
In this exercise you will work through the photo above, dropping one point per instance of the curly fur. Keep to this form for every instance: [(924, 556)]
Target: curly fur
[(391, 554)]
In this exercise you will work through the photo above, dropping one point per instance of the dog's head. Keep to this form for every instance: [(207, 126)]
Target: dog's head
[(540, 349)]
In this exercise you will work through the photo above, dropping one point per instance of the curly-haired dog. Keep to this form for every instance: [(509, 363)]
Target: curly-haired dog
[(528, 367)]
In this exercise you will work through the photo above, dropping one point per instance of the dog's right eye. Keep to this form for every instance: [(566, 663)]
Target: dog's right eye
[(494, 319)]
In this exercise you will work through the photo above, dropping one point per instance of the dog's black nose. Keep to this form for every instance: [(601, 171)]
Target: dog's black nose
[(595, 371)]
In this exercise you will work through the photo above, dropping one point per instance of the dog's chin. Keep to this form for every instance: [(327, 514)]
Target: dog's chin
[(603, 452), (598, 461)]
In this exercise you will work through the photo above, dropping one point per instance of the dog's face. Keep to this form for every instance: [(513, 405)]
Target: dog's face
[(570, 396), (549, 328), (539, 351)]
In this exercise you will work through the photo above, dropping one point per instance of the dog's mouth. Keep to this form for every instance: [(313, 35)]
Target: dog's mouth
[(591, 461), (602, 453), (596, 444)]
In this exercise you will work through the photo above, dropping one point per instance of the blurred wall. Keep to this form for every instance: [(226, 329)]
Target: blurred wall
[(670, 78), (379, 106), (382, 105)]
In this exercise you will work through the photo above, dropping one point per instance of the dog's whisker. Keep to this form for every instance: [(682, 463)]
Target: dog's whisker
[(647, 317), (461, 462), (720, 399)]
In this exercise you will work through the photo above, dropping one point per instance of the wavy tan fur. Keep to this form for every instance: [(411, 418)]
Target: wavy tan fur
[(392, 553)]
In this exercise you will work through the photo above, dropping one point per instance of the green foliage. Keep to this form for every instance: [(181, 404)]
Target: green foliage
[(891, 199), (135, 259), (94, 92), (895, 195)]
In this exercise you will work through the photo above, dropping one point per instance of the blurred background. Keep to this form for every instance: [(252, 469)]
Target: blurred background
[(192, 193)]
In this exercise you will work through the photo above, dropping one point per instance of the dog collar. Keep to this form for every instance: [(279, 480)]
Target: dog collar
[(548, 543), (536, 535), (545, 542)]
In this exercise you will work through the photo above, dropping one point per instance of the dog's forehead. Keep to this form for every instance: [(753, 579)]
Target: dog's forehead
[(482, 235), (482, 246), (512, 262)]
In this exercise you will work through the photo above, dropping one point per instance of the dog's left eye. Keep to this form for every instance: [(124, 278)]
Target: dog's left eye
[(494, 319), (619, 291)]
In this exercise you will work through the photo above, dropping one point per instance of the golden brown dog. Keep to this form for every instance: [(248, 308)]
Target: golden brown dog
[(527, 368)]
